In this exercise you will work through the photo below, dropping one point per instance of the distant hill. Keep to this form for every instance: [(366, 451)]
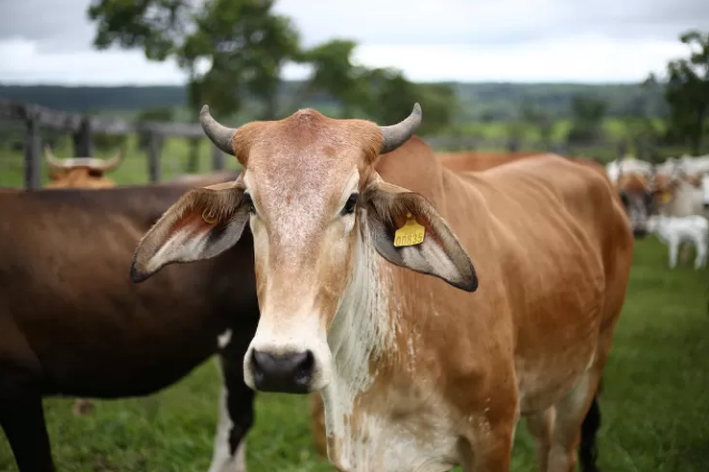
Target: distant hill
[(479, 101)]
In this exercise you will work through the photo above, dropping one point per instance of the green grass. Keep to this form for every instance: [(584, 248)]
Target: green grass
[(655, 401)]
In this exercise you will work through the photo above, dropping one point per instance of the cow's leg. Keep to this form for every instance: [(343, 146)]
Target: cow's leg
[(22, 416), (21, 413), (700, 259), (236, 412), (318, 424), (673, 254), (685, 253), (540, 426), (488, 445), (588, 452), (570, 414), (23, 423), (489, 450)]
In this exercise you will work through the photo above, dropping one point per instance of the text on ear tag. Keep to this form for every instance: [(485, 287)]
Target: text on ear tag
[(410, 234), (666, 197), (208, 218)]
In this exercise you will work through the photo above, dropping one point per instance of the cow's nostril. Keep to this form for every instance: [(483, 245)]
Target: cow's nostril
[(288, 373)]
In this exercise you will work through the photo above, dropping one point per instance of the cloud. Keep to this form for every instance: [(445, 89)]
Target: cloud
[(49, 41), (21, 62)]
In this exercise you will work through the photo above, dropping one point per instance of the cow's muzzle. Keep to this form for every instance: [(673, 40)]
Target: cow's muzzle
[(286, 373)]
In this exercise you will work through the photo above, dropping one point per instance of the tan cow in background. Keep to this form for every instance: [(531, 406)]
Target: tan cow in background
[(80, 172)]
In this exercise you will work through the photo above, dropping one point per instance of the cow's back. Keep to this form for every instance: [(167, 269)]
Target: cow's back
[(65, 289)]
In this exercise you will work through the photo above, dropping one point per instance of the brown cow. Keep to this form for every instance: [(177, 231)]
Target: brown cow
[(80, 172), (71, 323), (474, 162), (364, 288), (480, 160)]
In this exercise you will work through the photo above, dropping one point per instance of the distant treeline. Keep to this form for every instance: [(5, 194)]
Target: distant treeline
[(479, 101)]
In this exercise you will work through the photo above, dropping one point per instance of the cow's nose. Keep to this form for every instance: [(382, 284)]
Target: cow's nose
[(286, 373)]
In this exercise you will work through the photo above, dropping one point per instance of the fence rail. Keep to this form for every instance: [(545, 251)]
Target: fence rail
[(82, 127)]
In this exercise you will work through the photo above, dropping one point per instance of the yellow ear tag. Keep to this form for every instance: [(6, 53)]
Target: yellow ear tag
[(410, 234), (209, 219), (665, 197)]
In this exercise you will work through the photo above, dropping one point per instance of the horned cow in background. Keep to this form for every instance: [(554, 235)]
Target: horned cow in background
[(633, 181), (80, 172)]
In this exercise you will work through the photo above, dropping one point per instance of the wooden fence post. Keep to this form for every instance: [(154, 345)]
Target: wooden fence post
[(154, 157), (33, 164), (83, 141), (217, 158)]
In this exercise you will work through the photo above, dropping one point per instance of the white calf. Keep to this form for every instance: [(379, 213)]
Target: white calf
[(675, 230)]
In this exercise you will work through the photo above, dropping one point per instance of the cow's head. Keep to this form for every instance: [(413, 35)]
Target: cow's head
[(637, 197), (667, 184), (82, 172), (316, 206)]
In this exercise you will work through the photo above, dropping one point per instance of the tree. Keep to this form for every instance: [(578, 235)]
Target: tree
[(392, 96), (587, 119), (382, 95), (440, 104), (687, 92), (537, 120), (335, 75), (244, 44)]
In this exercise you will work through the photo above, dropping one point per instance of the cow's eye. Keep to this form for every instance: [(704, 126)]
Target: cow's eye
[(250, 203), (350, 204)]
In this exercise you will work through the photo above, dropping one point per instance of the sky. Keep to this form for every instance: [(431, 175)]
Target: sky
[(49, 41)]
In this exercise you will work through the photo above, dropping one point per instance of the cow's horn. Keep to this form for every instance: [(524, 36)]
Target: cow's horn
[(53, 161), (112, 163), (220, 135), (396, 135)]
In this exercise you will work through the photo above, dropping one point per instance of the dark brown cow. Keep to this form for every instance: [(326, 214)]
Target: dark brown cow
[(71, 322)]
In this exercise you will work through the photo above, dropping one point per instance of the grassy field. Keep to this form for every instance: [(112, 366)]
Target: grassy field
[(655, 404)]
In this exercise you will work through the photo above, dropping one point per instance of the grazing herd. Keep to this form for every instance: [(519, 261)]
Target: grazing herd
[(422, 299), (669, 200)]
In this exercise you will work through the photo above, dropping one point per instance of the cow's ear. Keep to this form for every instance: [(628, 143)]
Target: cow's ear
[(202, 224), (407, 231)]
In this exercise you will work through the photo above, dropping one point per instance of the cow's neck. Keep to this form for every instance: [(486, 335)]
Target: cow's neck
[(362, 334)]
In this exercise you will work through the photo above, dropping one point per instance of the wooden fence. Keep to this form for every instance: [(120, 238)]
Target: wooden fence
[(83, 127)]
